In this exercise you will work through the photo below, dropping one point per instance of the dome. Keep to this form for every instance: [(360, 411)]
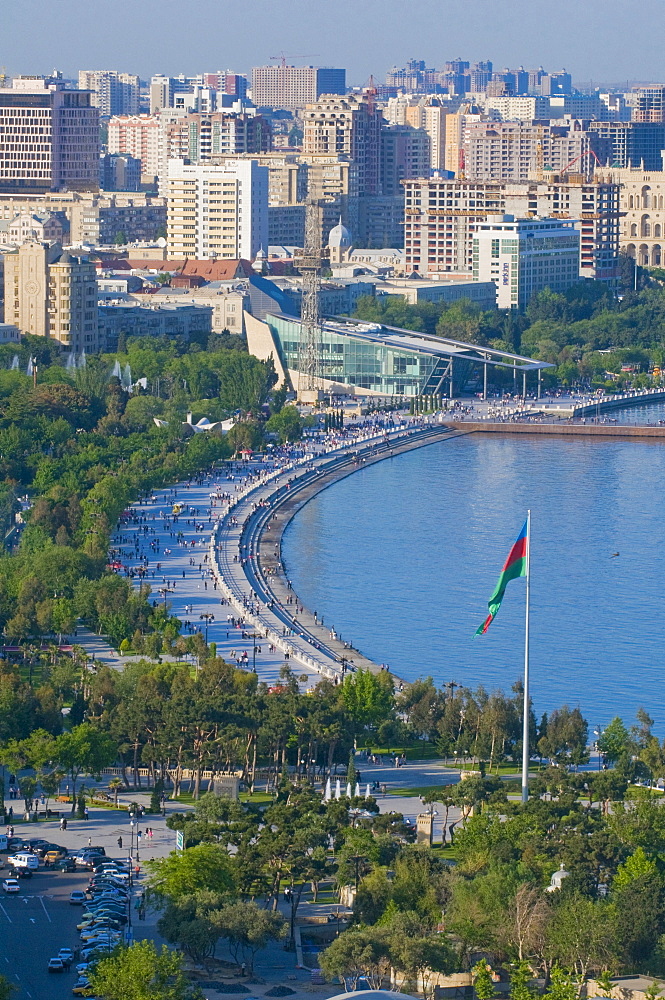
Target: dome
[(340, 237)]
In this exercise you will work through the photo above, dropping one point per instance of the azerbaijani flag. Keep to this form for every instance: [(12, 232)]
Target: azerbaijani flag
[(514, 567)]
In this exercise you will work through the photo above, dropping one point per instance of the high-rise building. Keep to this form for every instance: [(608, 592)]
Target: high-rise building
[(520, 151), (349, 126), (137, 136), (524, 256), (52, 294), (427, 113), (202, 137), (49, 138), (649, 104), (632, 144), (293, 87), (232, 85), (112, 92), (405, 152), (163, 90), (441, 217), (217, 211)]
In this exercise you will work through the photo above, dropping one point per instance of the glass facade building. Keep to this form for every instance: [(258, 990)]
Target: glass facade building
[(389, 361)]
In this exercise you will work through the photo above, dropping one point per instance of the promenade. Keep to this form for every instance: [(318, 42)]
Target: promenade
[(210, 548)]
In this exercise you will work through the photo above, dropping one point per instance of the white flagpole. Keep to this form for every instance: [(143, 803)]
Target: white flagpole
[(525, 723)]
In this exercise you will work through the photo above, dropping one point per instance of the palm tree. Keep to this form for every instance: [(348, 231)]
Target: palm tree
[(115, 784)]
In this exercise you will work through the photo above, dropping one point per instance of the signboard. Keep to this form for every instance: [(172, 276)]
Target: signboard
[(180, 840)]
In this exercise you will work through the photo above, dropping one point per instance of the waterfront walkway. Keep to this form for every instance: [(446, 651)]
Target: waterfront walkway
[(204, 547)]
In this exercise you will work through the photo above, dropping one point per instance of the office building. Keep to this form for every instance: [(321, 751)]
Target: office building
[(642, 214), (524, 256), (349, 126), (137, 136), (293, 87), (50, 293), (119, 172), (112, 92), (441, 217), (217, 211), (49, 138)]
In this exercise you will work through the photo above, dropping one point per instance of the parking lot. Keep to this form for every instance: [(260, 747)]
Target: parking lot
[(35, 923)]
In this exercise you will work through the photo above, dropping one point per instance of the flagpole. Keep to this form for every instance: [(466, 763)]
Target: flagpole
[(525, 721)]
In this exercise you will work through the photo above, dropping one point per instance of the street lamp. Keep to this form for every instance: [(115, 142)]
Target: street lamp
[(207, 617), (164, 591)]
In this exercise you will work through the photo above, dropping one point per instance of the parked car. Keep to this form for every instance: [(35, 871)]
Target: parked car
[(24, 859), (56, 965), (81, 988), (65, 865), (67, 955), (23, 872), (77, 898), (10, 885)]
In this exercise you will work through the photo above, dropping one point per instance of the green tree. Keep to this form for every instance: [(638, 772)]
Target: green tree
[(358, 952), (614, 740), (561, 986), (206, 866), (84, 750), (368, 698), (141, 972), (521, 982), (483, 984), (248, 928)]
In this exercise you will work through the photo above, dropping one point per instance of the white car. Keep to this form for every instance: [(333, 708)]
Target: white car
[(11, 885)]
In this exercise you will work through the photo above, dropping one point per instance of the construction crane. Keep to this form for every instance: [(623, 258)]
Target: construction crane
[(281, 58), (309, 265), (581, 157)]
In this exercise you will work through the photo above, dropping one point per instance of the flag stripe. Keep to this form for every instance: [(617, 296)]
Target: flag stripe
[(513, 568)]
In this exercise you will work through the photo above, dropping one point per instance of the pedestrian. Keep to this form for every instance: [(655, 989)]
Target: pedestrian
[(89, 839), (85, 813), (120, 842)]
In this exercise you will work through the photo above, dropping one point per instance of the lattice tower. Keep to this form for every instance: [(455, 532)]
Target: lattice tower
[(309, 266)]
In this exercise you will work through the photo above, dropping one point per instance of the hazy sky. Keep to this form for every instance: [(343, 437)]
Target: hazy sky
[(609, 40)]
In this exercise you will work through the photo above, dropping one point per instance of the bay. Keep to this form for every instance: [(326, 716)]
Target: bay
[(402, 557)]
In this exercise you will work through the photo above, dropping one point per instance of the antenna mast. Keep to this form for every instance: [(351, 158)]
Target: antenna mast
[(309, 265)]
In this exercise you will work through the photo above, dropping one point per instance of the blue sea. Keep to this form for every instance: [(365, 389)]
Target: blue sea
[(403, 556)]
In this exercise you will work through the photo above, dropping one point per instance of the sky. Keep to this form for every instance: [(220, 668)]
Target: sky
[(607, 41)]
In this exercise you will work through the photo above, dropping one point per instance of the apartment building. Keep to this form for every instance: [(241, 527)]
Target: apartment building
[(31, 227), (524, 256), (112, 92), (349, 126), (293, 87), (96, 219), (516, 151), (137, 136), (441, 217), (649, 104), (202, 137), (405, 153), (217, 211), (49, 138), (50, 293)]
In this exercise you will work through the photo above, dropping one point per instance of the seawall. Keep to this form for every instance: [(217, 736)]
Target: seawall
[(569, 430)]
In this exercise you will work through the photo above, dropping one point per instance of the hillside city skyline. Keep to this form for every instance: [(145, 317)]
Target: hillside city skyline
[(337, 35)]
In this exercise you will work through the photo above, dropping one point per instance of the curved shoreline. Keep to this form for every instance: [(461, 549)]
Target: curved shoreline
[(267, 513)]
